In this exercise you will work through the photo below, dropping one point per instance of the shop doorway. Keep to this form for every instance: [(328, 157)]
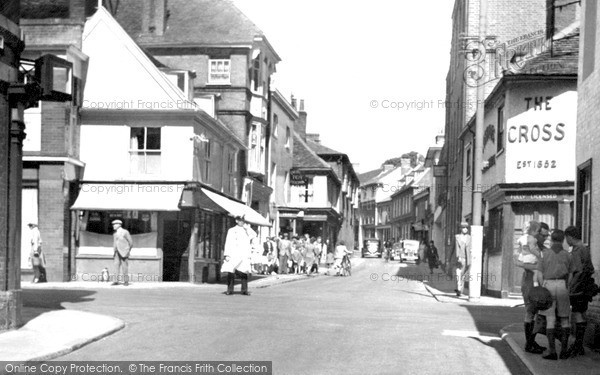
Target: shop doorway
[(546, 212), (176, 240)]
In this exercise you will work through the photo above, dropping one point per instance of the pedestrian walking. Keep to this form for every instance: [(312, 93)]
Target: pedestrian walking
[(309, 255), (582, 287), (36, 255), (556, 270), (528, 243), (296, 255), (122, 244), (237, 254), (463, 256), (284, 248), (432, 257)]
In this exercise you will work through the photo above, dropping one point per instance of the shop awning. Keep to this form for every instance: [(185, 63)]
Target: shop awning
[(236, 208), (129, 197)]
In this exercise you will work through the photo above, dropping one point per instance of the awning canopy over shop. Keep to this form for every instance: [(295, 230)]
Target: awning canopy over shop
[(129, 197), (232, 207)]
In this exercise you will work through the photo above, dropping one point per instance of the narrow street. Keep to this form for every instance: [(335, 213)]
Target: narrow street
[(323, 325)]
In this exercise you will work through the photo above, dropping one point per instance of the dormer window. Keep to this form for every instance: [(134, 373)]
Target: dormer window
[(219, 72)]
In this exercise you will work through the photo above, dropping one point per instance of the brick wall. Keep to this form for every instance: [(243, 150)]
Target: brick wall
[(55, 127), (52, 219), (588, 116)]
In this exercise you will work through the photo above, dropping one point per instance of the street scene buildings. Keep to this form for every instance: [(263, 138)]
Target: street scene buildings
[(166, 119)]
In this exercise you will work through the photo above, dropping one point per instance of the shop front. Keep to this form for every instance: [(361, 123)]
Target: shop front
[(150, 212), (322, 223), (510, 208), (167, 222)]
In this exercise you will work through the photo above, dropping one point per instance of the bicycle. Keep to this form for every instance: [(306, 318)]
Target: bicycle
[(346, 267)]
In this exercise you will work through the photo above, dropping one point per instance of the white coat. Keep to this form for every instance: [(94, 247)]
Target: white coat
[(239, 249)]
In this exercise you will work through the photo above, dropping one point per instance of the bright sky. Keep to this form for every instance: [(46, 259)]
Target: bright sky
[(346, 57)]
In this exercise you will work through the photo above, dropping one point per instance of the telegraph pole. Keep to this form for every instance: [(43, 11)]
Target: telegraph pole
[(476, 227)]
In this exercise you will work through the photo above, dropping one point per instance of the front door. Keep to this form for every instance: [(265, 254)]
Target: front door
[(546, 212), (176, 239)]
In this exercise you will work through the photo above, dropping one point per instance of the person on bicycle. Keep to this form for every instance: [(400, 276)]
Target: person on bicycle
[(340, 252)]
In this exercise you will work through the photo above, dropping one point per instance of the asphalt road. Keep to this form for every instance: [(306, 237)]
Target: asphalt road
[(321, 325)]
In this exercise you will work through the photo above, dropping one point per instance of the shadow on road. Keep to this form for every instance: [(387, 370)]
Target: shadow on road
[(39, 301)]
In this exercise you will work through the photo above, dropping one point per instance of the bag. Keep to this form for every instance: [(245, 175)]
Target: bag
[(540, 298)]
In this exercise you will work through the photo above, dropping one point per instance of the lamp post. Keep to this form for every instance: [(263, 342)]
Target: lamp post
[(476, 227)]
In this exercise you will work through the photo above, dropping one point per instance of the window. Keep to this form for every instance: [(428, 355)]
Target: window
[(207, 154), (275, 125), (219, 71), (287, 137), (500, 128), (584, 185), (256, 79), (144, 151), (231, 173), (273, 176), (468, 165)]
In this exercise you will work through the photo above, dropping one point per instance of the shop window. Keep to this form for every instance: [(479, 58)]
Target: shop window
[(219, 71), (144, 150), (136, 222), (494, 231)]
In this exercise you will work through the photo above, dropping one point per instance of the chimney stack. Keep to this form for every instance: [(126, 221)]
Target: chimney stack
[(154, 17), (405, 165), (300, 127), (293, 102)]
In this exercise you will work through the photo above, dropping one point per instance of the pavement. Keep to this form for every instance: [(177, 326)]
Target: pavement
[(442, 289), (48, 334)]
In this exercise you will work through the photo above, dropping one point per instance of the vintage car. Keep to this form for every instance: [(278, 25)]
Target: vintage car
[(371, 247), (410, 250)]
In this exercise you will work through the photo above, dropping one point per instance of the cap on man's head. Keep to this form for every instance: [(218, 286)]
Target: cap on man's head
[(117, 222), (32, 224), (464, 224), (239, 217)]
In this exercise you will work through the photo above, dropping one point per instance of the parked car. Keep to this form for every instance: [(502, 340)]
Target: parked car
[(371, 247), (410, 250)]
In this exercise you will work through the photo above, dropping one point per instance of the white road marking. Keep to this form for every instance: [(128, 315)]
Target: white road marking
[(473, 334)]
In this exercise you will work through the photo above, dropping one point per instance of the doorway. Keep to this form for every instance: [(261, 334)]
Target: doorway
[(546, 212), (176, 240)]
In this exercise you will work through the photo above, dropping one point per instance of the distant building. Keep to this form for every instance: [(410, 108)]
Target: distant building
[(284, 117), (376, 210)]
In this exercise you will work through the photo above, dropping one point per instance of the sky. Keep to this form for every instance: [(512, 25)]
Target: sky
[(372, 73)]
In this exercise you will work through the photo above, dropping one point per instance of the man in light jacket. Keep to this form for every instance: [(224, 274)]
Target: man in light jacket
[(463, 255), (122, 243), (238, 251)]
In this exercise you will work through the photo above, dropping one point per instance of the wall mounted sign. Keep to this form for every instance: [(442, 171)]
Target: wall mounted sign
[(540, 141)]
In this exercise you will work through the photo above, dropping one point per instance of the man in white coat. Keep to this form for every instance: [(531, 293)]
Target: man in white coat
[(238, 251)]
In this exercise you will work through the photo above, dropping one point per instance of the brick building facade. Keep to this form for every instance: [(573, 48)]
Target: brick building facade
[(587, 191)]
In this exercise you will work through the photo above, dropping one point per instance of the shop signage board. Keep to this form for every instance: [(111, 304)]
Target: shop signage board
[(540, 142)]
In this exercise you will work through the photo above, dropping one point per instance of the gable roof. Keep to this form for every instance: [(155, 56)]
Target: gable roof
[(368, 176), (320, 149), (192, 22), (120, 72), (305, 157)]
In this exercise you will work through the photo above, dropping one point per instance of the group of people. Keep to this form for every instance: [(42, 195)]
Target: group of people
[(283, 255), (559, 262), (277, 255)]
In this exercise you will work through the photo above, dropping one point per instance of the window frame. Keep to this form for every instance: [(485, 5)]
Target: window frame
[(145, 150), (219, 81), (500, 129)]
